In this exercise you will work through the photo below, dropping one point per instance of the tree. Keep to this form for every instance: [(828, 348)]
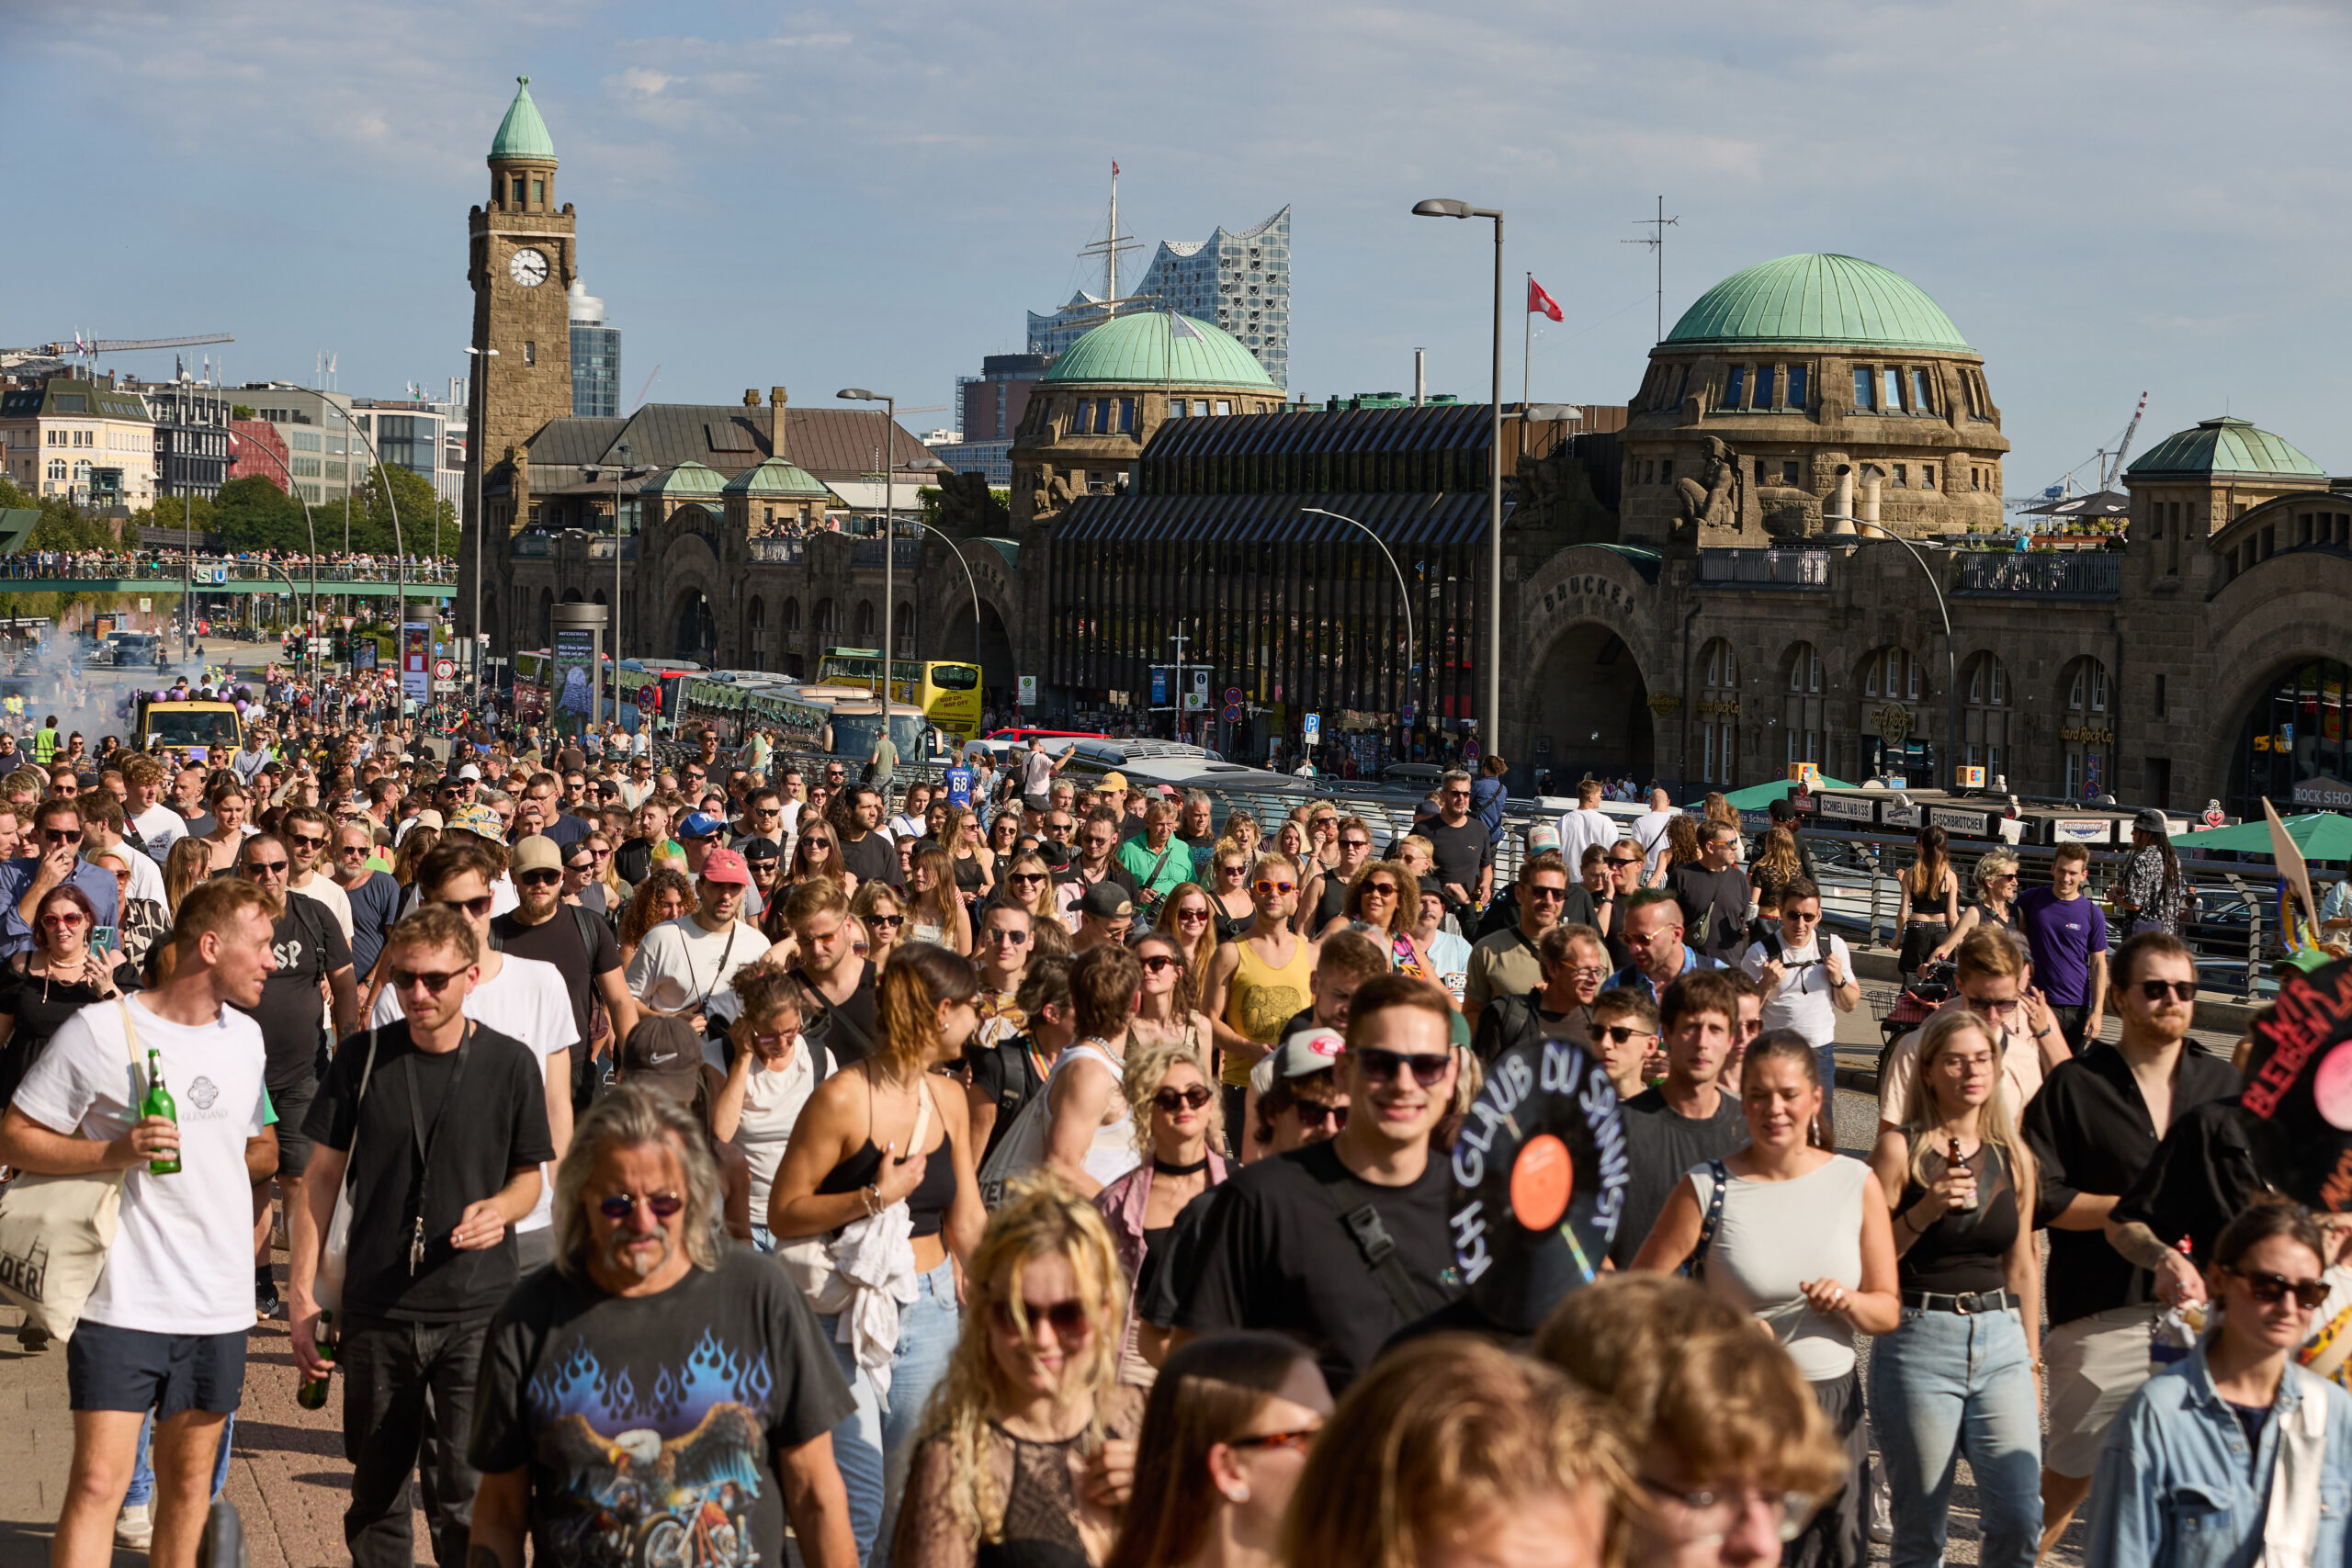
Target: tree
[(428, 525)]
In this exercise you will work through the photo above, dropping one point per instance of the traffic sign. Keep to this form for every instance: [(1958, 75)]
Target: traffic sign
[(1201, 682), (1195, 701), (1408, 715), (1028, 690), (445, 669), (1313, 728), (1233, 696), (1233, 713)]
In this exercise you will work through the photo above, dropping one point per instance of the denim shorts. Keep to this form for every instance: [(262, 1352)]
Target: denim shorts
[(129, 1368)]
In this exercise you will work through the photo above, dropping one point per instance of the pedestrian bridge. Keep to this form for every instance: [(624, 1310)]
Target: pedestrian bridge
[(73, 572)]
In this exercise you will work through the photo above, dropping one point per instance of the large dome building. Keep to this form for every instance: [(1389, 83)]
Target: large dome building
[(1092, 414), (1804, 389)]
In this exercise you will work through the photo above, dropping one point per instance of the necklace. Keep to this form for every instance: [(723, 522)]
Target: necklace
[(1161, 1167)]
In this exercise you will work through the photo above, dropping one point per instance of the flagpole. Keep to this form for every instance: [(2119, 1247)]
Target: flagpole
[(1527, 337)]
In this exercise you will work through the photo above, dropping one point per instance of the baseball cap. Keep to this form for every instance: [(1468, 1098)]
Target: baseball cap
[(1542, 837), (700, 825), (1105, 902), (428, 817), (1313, 1049), (480, 820), (664, 1055), (1113, 783), (535, 851), (727, 865), (469, 772), (1782, 810), (755, 848)]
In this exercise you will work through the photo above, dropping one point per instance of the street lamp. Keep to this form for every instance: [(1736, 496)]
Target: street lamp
[(1951, 659), (474, 380), (236, 440), (400, 550), (969, 581), (621, 471), (889, 528), (1406, 596), (1443, 206)]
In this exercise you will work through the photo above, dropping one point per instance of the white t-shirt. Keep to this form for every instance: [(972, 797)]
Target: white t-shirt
[(183, 1256), (1802, 1001), (1037, 772), (682, 965), (1450, 955), (160, 828), (1649, 831), (146, 876), (321, 887), (771, 1104), (1579, 830), (526, 1001)]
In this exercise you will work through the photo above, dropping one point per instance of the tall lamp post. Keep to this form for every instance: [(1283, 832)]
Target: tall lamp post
[(234, 440), (478, 373), (400, 550), (1952, 658), (1491, 656), (621, 471), (970, 582), (889, 590), (1405, 595)]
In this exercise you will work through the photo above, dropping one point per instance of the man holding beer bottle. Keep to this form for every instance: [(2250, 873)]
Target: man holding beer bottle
[(440, 1124), (165, 1328)]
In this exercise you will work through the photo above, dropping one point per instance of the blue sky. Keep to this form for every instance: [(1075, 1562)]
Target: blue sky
[(2107, 198)]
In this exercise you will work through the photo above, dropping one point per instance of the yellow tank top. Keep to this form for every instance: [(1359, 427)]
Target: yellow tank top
[(1261, 999)]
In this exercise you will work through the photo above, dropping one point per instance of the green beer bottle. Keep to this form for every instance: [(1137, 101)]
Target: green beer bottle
[(159, 1102), (313, 1392)]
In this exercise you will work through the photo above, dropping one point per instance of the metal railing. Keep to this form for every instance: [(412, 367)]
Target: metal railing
[(1766, 568), (868, 552), (156, 567), (786, 552), (602, 549), (2049, 574)]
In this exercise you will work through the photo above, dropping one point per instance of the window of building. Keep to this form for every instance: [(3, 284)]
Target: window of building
[(57, 467), (1736, 387), (2086, 686), (1788, 472), (305, 467), (1865, 387), (1764, 386), (1926, 475), (1127, 416), (1797, 386), (1984, 722), (530, 353), (1175, 407), (1902, 476), (1893, 391), (1923, 398), (2160, 697), (1666, 470), (1805, 668), (539, 192), (514, 192)]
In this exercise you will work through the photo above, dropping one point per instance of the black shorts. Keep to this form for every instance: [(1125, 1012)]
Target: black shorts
[(292, 1100), (129, 1368)]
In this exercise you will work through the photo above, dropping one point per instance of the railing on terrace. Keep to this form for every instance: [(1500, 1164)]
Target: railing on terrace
[(868, 552), (602, 549), (2072, 575), (159, 567), (531, 547), (1766, 568), (785, 551)]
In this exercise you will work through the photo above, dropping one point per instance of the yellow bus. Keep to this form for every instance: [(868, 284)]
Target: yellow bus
[(946, 690)]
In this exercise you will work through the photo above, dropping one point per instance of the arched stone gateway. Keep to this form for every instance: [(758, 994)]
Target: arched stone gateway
[(697, 628), (995, 645)]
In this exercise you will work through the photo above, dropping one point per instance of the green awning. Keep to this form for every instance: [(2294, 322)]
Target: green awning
[(2320, 835), (1756, 798)]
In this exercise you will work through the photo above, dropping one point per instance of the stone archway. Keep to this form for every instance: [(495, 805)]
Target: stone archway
[(694, 626), (998, 677), (1591, 712)]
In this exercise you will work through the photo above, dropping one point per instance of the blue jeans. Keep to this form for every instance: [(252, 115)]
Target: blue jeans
[(142, 1472), (1946, 1383), (760, 1240), (870, 1445)]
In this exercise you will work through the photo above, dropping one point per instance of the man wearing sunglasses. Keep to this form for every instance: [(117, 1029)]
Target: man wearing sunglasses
[(1464, 854), (1341, 1244), (579, 946), (52, 854), (2095, 1131), (432, 1251), (307, 836), (1573, 964), (1507, 964), (1095, 860), (374, 897), (638, 787)]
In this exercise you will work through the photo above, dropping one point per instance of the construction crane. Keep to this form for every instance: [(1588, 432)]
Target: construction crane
[(88, 349), (2123, 448)]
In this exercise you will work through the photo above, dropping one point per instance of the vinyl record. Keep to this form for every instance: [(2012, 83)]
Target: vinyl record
[(2298, 1094), (1539, 1182)]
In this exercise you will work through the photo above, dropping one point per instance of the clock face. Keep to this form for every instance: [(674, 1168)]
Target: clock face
[(528, 268)]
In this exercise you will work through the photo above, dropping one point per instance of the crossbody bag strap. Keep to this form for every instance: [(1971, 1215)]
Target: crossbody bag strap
[(1696, 1266), (1369, 1233), (367, 1071)]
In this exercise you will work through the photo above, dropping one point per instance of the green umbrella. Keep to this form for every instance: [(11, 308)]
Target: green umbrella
[(1756, 798), (2320, 835)]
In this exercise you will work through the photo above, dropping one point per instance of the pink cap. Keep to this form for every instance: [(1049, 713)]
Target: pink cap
[(725, 865)]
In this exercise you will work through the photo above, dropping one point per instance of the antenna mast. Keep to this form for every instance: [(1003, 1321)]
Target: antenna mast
[(1655, 241)]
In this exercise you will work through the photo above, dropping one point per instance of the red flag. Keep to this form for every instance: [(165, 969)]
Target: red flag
[(1114, 170), (1539, 301)]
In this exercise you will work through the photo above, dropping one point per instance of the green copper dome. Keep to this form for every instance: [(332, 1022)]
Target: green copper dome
[(1136, 351), (2224, 448), (1825, 300), (522, 134), (688, 479), (777, 476)]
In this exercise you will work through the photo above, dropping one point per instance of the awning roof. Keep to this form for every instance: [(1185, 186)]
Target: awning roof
[(1412, 518)]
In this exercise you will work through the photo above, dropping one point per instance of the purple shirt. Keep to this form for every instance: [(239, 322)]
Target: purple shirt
[(2064, 934)]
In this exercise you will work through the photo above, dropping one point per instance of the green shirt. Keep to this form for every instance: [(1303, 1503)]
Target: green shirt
[(1173, 861)]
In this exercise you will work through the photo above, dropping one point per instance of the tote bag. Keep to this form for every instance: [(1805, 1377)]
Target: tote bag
[(55, 1231)]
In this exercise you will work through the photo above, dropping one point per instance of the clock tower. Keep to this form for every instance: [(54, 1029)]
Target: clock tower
[(520, 262)]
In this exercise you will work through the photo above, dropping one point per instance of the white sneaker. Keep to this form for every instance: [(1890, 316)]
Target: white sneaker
[(135, 1528)]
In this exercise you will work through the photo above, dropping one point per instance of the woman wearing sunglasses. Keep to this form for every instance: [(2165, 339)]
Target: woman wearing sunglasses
[(138, 921), (815, 852), (1169, 1012), (1229, 883), (1956, 1376), (613, 893), (1188, 915), (1013, 1461), (934, 914), (57, 977), (1177, 1126), (1226, 1436), (882, 915), (1384, 903), (2234, 1454)]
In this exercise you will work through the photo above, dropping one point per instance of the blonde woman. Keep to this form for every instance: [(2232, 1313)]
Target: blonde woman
[(934, 914), (1996, 903), (975, 857), (1229, 888), (1014, 1454), (1029, 885), (190, 862), (1188, 915), (1956, 1376), (881, 914), (1178, 1125)]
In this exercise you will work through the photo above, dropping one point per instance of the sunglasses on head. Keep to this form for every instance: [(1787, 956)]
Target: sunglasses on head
[(2268, 1288), (1381, 1066), (620, 1206), (2177, 990), (1068, 1318)]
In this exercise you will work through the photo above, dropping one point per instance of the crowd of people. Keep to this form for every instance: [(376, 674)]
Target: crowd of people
[(163, 562), (677, 1154)]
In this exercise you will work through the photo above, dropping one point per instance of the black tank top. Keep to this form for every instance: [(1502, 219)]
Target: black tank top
[(1964, 1253), (968, 873), (927, 1204)]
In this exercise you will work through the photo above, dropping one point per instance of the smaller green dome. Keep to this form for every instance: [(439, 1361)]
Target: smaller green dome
[(776, 477), (1827, 300), (1160, 347), (688, 479), (2224, 448), (522, 134)]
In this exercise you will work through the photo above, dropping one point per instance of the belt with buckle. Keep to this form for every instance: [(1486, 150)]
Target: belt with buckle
[(1974, 1302)]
